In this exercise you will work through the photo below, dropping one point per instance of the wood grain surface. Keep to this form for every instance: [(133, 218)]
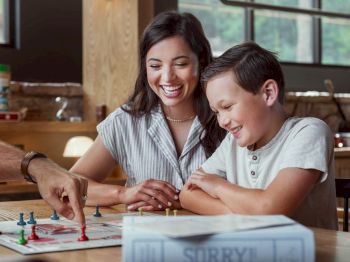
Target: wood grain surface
[(330, 245), (111, 31)]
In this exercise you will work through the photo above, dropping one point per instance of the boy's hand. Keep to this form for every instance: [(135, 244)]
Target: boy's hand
[(207, 182)]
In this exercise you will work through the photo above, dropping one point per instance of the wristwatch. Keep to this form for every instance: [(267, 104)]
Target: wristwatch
[(25, 164)]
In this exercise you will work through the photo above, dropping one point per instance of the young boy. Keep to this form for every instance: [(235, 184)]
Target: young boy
[(273, 164)]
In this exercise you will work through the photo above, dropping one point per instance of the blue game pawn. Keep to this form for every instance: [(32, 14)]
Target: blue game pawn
[(31, 220), (55, 216), (21, 221), (97, 213)]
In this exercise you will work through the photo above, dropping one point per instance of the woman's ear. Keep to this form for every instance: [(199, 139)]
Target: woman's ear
[(270, 92)]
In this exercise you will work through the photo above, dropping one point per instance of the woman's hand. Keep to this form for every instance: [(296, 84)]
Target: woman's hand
[(207, 182), (147, 207), (150, 195)]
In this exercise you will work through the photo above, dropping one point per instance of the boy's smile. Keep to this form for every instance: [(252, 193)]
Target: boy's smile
[(235, 131)]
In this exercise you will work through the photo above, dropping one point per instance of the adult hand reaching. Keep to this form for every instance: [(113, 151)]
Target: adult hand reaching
[(64, 191)]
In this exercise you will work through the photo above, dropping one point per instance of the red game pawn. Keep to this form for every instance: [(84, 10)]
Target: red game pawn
[(83, 237), (33, 236)]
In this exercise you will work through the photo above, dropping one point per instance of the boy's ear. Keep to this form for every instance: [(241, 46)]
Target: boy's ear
[(270, 92)]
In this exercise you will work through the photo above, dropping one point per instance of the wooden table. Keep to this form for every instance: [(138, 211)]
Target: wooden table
[(330, 245)]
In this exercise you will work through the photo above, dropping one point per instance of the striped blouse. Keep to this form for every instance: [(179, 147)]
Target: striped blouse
[(145, 149)]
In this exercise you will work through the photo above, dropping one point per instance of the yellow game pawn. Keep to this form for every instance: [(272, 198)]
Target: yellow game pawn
[(175, 212), (140, 211), (167, 211)]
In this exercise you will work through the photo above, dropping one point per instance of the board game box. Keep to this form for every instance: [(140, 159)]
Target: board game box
[(63, 234)]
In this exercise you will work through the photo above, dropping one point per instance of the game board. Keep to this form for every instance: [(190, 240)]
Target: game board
[(63, 234)]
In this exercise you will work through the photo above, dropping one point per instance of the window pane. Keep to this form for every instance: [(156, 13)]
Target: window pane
[(336, 41), (336, 6), (223, 25), (2, 22), (289, 35), (289, 3)]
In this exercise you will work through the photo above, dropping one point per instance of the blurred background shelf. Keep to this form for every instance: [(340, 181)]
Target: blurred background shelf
[(48, 126), (48, 137)]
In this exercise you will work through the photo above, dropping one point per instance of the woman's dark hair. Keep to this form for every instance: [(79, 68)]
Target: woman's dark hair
[(143, 99), (251, 65)]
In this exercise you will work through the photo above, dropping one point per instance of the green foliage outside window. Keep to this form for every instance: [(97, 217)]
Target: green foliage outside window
[(223, 25), (290, 35), (336, 34)]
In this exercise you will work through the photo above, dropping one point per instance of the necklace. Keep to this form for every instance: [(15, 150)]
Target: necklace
[(180, 120)]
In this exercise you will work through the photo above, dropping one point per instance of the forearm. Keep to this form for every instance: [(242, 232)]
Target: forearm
[(103, 194), (197, 201), (96, 164), (10, 164), (283, 196), (245, 201)]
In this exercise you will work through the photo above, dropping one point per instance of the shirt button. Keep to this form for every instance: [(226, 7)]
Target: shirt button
[(255, 157), (252, 173)]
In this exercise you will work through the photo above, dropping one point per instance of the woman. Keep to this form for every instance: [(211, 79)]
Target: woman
[(157, 136)]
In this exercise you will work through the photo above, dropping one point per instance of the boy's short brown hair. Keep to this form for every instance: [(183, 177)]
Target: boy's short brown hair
[(251, 65)]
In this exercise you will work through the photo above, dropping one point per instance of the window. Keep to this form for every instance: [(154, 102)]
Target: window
[(222, 33), (299, 31), (335, 41), (289, 35), (286, 3), (6, 22)]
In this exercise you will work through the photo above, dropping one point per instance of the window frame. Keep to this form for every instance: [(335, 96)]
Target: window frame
[(316, 13)]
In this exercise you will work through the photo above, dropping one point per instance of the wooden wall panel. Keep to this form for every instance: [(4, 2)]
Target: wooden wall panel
[(111, 30)]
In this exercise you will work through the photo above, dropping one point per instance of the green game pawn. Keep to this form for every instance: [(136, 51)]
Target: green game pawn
[(21, 240)]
